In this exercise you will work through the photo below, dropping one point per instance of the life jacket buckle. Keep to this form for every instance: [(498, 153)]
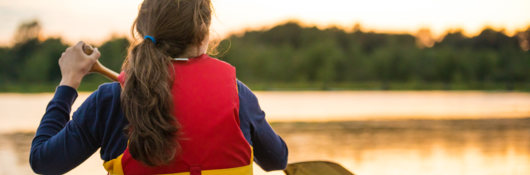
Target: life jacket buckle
[(181, 59)]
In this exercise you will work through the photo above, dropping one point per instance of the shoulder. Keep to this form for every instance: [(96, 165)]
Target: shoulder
[(242, 88), (108, 96), (246, 96), (109, 89), (106, 92)]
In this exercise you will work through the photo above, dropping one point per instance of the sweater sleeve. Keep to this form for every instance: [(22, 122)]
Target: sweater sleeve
[(60, 144), (270, 151)]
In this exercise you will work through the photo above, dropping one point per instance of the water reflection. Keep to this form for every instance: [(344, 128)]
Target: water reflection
[(466, 147), (14, 153), (411, 147)]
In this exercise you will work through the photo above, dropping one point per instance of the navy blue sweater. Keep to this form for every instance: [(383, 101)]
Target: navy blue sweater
[(61, 144)]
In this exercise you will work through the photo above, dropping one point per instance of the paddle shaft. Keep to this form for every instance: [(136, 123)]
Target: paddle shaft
[(98, 67)]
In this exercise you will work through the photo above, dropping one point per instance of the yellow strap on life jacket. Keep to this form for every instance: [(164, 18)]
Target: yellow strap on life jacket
[(244, 170), (114, 167)]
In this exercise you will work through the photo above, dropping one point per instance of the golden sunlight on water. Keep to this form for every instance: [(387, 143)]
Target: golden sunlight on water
[(333, 106), (322, 106), (482, 133), (405, 147)]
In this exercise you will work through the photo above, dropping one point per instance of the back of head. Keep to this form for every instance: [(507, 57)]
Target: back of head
[(146, 98)]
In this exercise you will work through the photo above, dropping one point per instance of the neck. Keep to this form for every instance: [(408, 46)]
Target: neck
[(192, 52), (195, 51)]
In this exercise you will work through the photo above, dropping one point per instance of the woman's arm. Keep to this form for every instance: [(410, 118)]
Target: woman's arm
[(61, 144), (270, 151)]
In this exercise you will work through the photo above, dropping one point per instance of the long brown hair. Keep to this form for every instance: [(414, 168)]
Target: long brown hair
[(146, 98)]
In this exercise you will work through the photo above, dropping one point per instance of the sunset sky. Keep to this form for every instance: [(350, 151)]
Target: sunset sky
[(96, 20)]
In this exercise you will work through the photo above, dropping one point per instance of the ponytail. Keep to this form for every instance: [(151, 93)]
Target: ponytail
[(148, 105)]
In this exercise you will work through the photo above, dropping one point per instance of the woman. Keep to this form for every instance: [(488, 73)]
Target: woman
[(175, 110)]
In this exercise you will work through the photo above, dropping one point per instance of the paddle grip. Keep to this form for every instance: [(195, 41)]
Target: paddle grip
[(97, 67)]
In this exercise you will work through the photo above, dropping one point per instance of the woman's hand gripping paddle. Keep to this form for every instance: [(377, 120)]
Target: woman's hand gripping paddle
[(98, 67)]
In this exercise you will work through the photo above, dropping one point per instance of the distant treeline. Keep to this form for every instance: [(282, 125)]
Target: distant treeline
[(290, 56), (31, 65), (332, 57)]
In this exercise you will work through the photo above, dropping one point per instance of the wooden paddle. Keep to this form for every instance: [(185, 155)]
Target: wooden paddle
[(316, 168), (300, 168), (98, 67)]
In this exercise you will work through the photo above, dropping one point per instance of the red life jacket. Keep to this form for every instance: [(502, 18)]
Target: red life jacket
[(207, 106)]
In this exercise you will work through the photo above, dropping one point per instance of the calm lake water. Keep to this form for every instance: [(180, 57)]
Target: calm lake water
[(369, 133)]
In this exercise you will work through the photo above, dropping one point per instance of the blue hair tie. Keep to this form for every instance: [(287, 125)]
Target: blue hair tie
[(151, 38)]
